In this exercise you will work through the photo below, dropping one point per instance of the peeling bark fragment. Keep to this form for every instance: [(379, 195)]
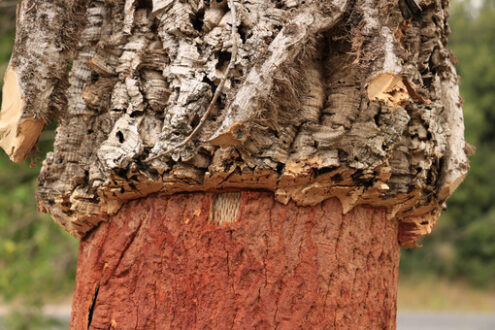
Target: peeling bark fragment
[(18, 132), (35, 80), (323, 99)]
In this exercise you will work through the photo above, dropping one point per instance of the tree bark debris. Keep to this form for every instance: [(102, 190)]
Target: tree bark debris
[(354, 100)]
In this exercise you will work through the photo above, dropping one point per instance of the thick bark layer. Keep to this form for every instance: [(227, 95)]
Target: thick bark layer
[(163, 262), (316, 99), (355, 100)]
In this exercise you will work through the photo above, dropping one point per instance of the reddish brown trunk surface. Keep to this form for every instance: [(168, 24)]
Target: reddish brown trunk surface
[(162, 264)]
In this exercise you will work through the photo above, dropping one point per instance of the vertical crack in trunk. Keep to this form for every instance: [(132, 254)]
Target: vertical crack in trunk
[(93, 304)]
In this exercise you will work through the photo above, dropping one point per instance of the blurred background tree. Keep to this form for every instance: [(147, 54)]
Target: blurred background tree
[(38, 259)]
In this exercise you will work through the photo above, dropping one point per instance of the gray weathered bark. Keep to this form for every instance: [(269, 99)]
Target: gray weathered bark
[(350, 99)]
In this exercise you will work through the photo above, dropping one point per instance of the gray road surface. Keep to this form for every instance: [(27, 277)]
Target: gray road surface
[(444, 321)]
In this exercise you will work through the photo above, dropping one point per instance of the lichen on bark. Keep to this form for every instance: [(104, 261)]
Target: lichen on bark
[(356, 100)]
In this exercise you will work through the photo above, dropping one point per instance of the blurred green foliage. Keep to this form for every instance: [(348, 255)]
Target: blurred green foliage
[(38, 259), (7, 32), (462, 244)]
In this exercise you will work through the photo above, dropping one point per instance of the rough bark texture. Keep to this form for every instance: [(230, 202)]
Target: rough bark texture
[(162, 263), (353, 99), (345, 113)]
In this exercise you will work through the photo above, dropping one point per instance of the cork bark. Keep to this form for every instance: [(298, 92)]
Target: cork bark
[(163, 263), (352, 99)]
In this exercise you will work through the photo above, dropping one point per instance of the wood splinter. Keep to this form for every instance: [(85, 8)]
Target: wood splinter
[(18, 132)]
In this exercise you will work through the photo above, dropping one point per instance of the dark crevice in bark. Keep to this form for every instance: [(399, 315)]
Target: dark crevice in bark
[(92, 307)]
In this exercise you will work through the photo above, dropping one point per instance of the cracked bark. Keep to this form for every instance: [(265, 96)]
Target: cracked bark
[(351, 106)]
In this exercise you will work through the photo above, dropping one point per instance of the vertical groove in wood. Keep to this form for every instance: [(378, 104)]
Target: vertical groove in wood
[(225, 208)]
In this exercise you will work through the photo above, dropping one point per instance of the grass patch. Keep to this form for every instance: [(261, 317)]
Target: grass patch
[(430, 293)]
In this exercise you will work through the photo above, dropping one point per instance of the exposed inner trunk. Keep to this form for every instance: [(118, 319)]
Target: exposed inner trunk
[(162, 263)]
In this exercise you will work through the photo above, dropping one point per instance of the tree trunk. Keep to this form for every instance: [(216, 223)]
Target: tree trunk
[(163, 263), (343, 115)]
